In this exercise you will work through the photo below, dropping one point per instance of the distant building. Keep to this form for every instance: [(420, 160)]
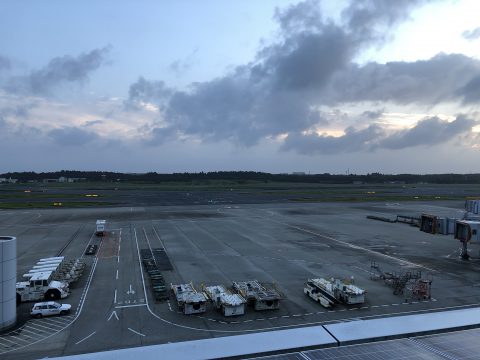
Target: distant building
[(50, 180), (298, 173), (8, 181), (73, 180)]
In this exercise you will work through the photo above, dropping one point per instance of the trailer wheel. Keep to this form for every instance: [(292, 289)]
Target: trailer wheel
[(38, 316), (63, 312), (52, 294)]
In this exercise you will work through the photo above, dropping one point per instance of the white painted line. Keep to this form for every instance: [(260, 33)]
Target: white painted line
[(136, 332), (60, 320), (116, 276), (14, 343), (46, 325), (296, 315), (29, 326), (118, 258), (245, 321), (115, 297), (16, 337), (113, 313), (119, 241), (129, 306), (352, 246), (31, 332), (141, 272), (85, 338)]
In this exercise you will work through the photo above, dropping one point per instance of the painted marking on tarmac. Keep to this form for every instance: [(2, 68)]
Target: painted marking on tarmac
[(114, 313), (352, 246), (129, 306), (116, 276), (115, 297), (130, 291), (136, 332), (85, 338)]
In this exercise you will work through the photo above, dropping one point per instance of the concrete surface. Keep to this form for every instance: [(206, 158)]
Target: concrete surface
[(217, 244)]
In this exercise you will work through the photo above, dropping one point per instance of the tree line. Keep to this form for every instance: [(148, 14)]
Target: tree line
[(245, 176)]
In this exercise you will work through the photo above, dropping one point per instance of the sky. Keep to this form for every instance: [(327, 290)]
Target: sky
[(355, 86)]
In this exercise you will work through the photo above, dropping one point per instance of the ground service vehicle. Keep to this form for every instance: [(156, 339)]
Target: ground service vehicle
[(101, 227), (41, 287), (50, 308)]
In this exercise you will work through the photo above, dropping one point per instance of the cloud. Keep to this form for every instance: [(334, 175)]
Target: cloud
[(146, 91), (180, 66), (427, 132), (353, 140), (294, 82), (471, 91), (5, 63), (373, 114), (279, 91), (93, 122), (59, 71), (421, 82), (471, 34), (72, 136)]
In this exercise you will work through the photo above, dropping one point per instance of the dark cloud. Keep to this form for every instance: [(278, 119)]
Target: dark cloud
[(472, 34), (373, 115), (147, 91), (471, 91), (59, 71), (353, 140), (310, 65), (427, 132), (72, 136), (430, 131), (421, 82)]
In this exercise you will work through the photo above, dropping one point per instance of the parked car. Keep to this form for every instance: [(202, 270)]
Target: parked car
[(91, 250), (50, 308)]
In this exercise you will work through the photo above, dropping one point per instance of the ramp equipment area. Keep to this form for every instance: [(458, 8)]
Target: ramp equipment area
[(189, 300), (223, 300), (261, 296)]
